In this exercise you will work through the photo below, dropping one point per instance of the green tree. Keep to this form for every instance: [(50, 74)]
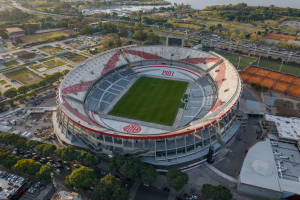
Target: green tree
[(212, 28), (82, 177), (11, 138), (11, 102), (241, 36), (110, 187), (67, 182), (66, 153), (49, 149), (10, 161), (207, 191), (233, 35), (22, 89), (34, 168), (44, 173), (92, 159), (33, 94), (20, 144), (41, 147), (139, 35), (23, 165), (147, 174), (110, 43), (221, 193), (10, 93), (118, 42), (20, 98), (80, 155), (177, 179), (153, 38), (31, 144)]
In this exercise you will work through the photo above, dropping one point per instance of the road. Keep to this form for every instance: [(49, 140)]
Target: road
[(254, 50)]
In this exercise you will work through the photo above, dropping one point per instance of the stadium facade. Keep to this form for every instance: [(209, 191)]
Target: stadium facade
[(209, 117)]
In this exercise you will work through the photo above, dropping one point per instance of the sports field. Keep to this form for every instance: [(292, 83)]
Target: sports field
[(42, 37), (151, 99), (25, 76), (234, 59)]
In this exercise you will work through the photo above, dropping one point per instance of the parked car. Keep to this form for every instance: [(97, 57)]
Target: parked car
[(75, 165), (37, 184), (65, 162), (58, 171)]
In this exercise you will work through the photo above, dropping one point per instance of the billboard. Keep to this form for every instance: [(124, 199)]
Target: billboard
[(174, 42)]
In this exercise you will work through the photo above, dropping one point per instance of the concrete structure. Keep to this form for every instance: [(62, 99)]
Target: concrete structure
[(14, 32), (271, 170), (64, 195), (209, 118), (286, 128), (253, 107)]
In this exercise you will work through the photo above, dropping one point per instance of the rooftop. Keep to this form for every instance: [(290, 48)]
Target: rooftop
[(260, 167), (15, 29), (287, 128)]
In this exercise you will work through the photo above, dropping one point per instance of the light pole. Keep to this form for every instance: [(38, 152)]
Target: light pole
[(254, 50), (281, 65), (258, 60), (239, 63)]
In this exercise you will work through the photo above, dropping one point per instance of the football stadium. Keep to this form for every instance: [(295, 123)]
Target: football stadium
[(165, 105)]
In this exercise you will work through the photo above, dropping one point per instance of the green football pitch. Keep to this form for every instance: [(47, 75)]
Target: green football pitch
[(151, 99)]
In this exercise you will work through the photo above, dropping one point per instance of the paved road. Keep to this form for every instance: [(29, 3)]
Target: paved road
[(150, 193)]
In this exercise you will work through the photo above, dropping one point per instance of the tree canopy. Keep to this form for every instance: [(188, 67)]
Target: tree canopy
[(110, 187), (177, 179), (219, 192), (82, 177), (31, 144), (49, 149), (44, 173)]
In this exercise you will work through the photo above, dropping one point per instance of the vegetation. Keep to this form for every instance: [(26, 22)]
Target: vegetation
[(81, 177), (44, 173), (259, 87), (219, 192), (177, 179), (110, 187), (25, 76), (133, 167), (286, 108)]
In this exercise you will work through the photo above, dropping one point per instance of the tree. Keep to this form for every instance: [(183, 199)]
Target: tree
[(147, 174), (10, 161), (18, 40), (66, 153), (20, 98), (32, 94), (11, 102), (22, 89), (34, 168), (44, 173), (212, 28), (41, 147), (49, 149), (5, 36), (118, 42), (88, 30), (110, 187), (82, 177), (31, 144), (233, 35), (177, 179), (92, 159), (110, 43), (221, 193), (10, 93), (207, 190), (23, 165), (131, 167), (20, 144), (67, 182), (298, 105), (139, 35), (241, 36), (153, 38), (10, 138), (80, 155)]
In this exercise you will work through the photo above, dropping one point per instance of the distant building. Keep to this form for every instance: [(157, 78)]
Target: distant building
[(14, 32)]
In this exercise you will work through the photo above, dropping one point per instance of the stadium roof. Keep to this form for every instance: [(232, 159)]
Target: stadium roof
[(74, 87), (287, 128)]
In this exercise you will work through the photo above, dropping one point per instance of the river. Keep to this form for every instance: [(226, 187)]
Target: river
[(201, 4)]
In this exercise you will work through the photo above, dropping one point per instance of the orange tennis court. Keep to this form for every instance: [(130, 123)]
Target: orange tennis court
[(286, 78), (262, 72), (267, 83), (280, 87), (250, 70), (255, 79), (273, 75)]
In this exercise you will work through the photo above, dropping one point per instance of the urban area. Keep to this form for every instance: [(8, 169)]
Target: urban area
[(149, 100)]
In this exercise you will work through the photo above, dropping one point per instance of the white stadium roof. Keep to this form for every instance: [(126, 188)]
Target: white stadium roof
[(77, 83)]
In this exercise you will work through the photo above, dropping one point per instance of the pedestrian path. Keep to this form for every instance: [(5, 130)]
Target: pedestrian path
[(134, 189)]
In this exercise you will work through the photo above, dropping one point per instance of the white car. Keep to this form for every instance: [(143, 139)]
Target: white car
[(54, 165), (58, 171), (51, 174)]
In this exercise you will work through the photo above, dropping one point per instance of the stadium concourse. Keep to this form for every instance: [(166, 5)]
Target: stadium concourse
[(165, 105)]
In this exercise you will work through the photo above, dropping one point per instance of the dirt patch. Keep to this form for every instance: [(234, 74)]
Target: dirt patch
[(275, 36), (25, 55)]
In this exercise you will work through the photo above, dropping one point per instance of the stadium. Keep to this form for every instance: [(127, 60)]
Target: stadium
[(165, 105)]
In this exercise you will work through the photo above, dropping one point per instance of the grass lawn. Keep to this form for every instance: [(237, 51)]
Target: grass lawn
[(70, 66), (51, 49), (3, 82), (51, 64), (45, 59), (151, 99), (76, 58), (8, 64), (7, 86), (25, 76), (234, 59), (42, 37), (43, 8), (291, 69)]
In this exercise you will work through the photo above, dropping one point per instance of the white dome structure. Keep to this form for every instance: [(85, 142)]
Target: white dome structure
[(262, 167)]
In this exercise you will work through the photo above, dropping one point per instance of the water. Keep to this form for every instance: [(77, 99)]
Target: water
[(201, 4)]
